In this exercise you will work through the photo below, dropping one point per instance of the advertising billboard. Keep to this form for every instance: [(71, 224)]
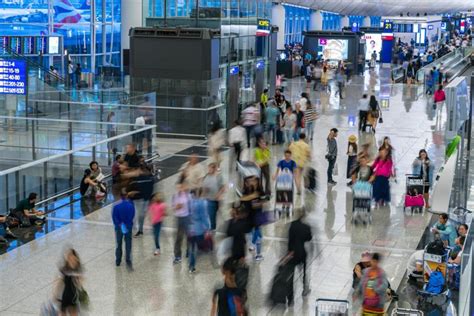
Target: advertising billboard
[(373, 43), (333, 49)]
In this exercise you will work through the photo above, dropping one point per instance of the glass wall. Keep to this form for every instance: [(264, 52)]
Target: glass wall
[(89, 30), (375, 21), (331, 21), (296, 22)]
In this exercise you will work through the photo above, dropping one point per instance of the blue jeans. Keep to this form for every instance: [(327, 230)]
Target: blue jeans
[(288, 135), (193, 248), (296, 134), (156, 234), (309, 130), (271, 130), (213, 207), (257, 239), (119, 237)]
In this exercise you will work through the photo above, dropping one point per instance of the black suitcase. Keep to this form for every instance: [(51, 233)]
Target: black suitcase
[(311, 179), (282, 285)]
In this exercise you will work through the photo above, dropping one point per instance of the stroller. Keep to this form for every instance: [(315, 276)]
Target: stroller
[(246, 169), (414, 193), (435, 295), (284, 193), (362, 202)]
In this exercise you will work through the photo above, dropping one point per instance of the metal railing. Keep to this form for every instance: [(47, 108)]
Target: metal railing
[(60, 172)]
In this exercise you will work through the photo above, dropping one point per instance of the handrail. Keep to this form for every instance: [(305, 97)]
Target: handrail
[(61, 120), (130, 105), (83, 148)]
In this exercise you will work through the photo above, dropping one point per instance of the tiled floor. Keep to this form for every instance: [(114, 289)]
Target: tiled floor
[(156, 287)]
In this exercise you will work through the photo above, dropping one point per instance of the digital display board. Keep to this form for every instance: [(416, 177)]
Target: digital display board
[(373, 43), (13, 77), (333, 49), (53, 47)]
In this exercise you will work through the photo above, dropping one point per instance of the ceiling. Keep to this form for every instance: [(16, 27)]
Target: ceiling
[(387, 7)]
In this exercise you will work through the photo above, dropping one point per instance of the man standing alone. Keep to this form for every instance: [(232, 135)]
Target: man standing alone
[(123, 214), (331, 153)]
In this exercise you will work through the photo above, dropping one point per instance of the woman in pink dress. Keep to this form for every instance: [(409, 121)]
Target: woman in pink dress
[(382, 171)]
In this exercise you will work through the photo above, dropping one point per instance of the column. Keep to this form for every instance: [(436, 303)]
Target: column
[(278, 19), (344, 21), (366, 21), (132, 16), (316, 21)]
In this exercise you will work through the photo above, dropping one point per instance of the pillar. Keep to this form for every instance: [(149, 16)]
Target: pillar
[(316, 21), (132, 16), (344, 21), (278, 19), (366, 22)]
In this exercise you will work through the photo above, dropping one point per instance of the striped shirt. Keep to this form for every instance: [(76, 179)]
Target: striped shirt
[(309, 115)]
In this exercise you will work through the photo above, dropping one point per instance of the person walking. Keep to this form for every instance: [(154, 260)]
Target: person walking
[(317, 73), (299, 234), (272, 114), (262, 159), (250, 120), (237, 227), (331, 154), (423, 168), (77, 75), (363, 108), (140, 192), (351, 157), (213, 189), (301, 153), (374, 113), (372, 288), (112, 132), (236, 139), (181, 204), (123, 214), (157, 211), (299, 121), (325, 78), (70, 74), (192, 173), (310, 117), (289, 124), (439, 97), (198, 227), (69, 289), (340, 82), (383, 170)]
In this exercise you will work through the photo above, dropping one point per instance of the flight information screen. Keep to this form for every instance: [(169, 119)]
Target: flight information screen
[(13, 77)]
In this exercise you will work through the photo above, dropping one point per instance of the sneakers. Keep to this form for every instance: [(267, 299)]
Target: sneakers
[(177, 260), (258, 258), (251, 248), (332, 182), (138, 234), (192, 270), (157, 252), (306, 292)]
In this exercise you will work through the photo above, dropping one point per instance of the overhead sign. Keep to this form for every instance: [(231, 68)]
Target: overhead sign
[(263, 27), (443, 26), (355, 27), (260, 64), (13, 77), (387, 26)]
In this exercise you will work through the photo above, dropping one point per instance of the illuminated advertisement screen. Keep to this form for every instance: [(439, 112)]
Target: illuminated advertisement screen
[(333, 49), (53, 45), (373, 43), (13, 77)]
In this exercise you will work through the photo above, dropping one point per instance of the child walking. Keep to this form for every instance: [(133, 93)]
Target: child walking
[(157, 210)]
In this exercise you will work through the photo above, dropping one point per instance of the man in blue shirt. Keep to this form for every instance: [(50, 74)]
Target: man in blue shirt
[(286, 163), (446, 230), (122, 216)]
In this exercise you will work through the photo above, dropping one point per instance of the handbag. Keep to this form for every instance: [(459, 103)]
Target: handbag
[(83, 298)]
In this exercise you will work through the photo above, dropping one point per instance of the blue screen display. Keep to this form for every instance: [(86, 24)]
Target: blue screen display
[(13, 77)]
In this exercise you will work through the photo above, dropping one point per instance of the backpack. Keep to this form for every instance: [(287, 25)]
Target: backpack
[(234, 302), (435, 283), (372, 301), (436, 247)]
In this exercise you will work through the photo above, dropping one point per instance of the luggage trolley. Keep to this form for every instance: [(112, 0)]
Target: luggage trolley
[(329, 307), (428, 301), (406, 312), (284, 188), (246, 169), (415, 187), (362, 202)]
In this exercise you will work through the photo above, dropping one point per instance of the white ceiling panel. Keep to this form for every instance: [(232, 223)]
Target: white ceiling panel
[(387, 7)]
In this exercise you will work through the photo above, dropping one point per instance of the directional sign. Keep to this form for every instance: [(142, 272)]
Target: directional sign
[(13, 77)]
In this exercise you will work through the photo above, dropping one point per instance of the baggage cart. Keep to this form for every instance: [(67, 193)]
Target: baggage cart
[(284, 187), (460, 215), (415, 187), (406, 312), (330, 307), (362, 202)]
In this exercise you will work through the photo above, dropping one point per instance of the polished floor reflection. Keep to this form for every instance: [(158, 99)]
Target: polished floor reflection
[(157, 287)]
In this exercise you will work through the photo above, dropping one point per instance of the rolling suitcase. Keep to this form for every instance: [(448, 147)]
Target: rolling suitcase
[(282, 284), (310, 180)]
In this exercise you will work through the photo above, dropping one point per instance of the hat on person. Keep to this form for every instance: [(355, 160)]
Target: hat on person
[(352, 139), (365, 256)]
